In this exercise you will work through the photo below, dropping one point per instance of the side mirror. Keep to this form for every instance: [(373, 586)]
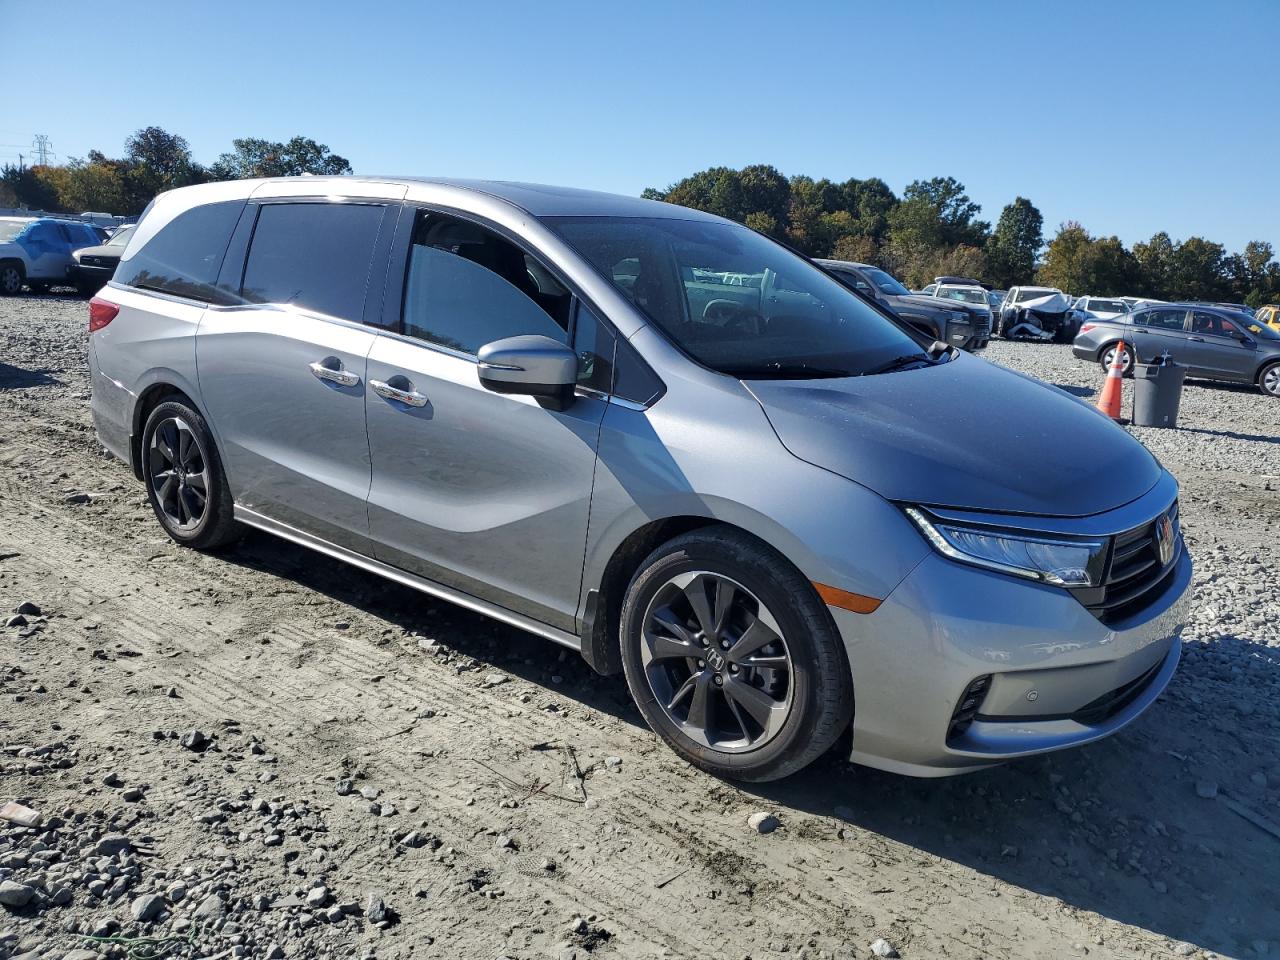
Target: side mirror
[(535, 366)]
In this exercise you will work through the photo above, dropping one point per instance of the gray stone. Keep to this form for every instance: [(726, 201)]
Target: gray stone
[(883, 948), (15, 894), (195, 740), (375, 910), (27, 607), (274, 952), (763, 822), (147, 907), (1206, 789), (317, 896), (211, 907), (110, 845)]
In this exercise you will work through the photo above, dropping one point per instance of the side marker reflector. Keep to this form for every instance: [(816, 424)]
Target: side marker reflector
[(845, 600)]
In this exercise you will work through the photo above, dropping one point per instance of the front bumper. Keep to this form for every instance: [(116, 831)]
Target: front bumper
[(89, 276), (1059, 676)]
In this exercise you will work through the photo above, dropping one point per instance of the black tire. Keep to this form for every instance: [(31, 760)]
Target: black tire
[(12, 277), (1104, 358), (1269, 380), (819, 685), (215, 526)]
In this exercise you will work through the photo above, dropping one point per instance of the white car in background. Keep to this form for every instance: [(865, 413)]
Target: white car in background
[(1037, 313), (1099, 308)]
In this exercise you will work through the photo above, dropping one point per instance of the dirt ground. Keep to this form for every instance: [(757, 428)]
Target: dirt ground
[(497, 799)]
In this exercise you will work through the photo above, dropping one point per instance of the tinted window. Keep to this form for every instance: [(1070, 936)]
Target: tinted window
[(1202, 322), (632, 378), (1164, 319), (184, 256), (312, 255), (736, 301), (467, 286), (593, 342)]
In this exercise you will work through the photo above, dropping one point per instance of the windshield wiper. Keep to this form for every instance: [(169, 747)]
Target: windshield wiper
[(899, 363)]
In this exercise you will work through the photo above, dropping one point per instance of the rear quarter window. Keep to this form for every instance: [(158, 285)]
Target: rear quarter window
[(314, 256), (184, 256)]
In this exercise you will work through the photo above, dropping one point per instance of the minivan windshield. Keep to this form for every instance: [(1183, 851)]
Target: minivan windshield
[(736, 301)]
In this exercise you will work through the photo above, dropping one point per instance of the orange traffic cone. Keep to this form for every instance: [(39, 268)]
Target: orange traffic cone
[(1109, 401)]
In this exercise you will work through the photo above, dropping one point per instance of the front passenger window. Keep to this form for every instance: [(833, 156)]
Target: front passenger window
[(467, 286)]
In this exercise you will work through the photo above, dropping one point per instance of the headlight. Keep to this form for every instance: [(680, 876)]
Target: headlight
[(1062, 561)]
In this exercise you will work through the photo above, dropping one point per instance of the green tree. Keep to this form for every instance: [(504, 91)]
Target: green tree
[(1012, 249), (1155, 266), (96, 186), (955, 212), (254, 157)]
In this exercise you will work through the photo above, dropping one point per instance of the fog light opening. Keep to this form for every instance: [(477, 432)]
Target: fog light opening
[(968, 706)]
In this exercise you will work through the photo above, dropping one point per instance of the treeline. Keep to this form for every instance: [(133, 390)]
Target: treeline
[(155, 160), (934, 229)]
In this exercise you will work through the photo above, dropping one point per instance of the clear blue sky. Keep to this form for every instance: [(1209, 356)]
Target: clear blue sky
[(1129, 117)]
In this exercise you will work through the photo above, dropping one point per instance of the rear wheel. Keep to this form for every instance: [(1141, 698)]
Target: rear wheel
[(11, 279), (732, 657), (1269, 380), (184, 478), (1107, 356)]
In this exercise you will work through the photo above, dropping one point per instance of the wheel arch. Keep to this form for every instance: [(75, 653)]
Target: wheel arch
[(151, 397)]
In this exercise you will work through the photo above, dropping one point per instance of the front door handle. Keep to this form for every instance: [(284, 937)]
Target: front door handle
[(330, 369), (1196, 339), (410, 397)]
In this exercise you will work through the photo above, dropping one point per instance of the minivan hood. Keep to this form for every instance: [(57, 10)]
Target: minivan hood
[(966, 434)]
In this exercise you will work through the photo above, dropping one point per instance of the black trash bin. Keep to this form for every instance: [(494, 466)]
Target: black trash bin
[(1157, 393)]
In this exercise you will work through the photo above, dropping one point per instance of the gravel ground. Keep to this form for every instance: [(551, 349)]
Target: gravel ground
[(264, 753)]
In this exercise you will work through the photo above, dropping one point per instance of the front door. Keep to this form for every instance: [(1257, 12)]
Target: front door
[(482, 492), (282, 370), (1217, 348)]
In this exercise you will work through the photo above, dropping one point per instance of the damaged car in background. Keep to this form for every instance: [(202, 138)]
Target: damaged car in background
[(1037, 313)]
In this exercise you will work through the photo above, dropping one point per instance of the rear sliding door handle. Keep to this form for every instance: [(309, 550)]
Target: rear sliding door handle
[(330, 369), (410, 397)]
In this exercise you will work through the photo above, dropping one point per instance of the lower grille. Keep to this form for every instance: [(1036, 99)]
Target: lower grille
[(1136, 572), (1111, 703)]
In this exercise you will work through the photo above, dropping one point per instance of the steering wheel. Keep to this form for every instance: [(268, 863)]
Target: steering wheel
[(731, 315)]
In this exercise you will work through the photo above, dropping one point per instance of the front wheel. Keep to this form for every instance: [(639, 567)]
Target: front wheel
[(11, 279), (184, 478), (1269, 380), (732, 657), (1108, 356)]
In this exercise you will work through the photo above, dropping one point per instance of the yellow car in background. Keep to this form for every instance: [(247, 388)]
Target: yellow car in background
[(1270, 315)]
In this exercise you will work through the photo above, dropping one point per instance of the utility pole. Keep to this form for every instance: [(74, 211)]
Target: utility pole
[(20, 166), (43, 148)]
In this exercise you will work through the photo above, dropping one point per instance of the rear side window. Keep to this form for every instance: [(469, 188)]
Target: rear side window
[(184, 256), (1165, 319), (313, 255)]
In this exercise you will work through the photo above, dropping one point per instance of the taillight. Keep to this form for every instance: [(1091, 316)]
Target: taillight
[(101, 312), (1087, 327)]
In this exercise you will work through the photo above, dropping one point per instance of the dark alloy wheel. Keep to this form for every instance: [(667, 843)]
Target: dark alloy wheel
[(184, 478), (10, 279), (716, 661), (178, 474), (732, 657)]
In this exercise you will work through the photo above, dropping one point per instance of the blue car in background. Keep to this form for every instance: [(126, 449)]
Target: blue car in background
[(37, 252)]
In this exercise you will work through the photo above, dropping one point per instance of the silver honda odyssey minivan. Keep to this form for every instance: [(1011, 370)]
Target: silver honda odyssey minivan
[(655, 437)]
